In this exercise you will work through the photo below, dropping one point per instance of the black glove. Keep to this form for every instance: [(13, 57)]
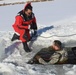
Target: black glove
[(35, 32)]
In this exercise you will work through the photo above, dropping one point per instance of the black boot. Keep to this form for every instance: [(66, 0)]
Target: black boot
[(15, 37), (26, 48)]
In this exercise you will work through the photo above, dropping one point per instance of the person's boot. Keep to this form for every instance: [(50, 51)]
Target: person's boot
[(26, 48), (15, 37)]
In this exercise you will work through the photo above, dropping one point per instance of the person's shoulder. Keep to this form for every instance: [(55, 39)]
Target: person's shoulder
[(18, 17), (20, 13), (46, 48), (50, 48)]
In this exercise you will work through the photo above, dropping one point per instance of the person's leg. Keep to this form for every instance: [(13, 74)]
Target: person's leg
[(25, 38), (15, 37), (25, 46), (16, 34)]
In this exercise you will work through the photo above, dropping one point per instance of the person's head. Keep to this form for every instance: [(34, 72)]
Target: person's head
[(57, 45), (28, 9)]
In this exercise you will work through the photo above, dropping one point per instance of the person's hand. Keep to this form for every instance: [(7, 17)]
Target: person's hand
[(41, 61), (35, 32)]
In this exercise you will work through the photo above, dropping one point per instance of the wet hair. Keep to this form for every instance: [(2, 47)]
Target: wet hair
[(28, 7), (58, 43)]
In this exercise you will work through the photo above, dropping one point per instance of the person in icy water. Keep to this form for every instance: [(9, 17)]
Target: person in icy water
[(54, 54), (24, 22)]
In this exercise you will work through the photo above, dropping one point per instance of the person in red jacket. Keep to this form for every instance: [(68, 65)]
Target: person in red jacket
[(24, 21)]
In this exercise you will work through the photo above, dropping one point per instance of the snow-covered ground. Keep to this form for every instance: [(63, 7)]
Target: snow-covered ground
[(56, 21), (11, 1)]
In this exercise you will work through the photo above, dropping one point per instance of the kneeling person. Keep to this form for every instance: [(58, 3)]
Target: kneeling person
[(24, 22)]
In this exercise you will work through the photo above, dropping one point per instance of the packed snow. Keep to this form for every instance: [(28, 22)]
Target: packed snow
[(57, 22)]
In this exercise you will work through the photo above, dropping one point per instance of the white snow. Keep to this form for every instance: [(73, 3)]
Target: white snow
[(11, 1), (56, 21)]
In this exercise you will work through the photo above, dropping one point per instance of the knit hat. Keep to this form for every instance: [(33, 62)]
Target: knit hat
[(28, 6)]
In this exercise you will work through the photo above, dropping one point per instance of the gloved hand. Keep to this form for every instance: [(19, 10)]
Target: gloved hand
[(35, 32)]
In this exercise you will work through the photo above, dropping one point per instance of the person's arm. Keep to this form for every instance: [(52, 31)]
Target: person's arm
[(19, 22), (34, 24), (40, 60), (64, 57), (34, 27), (27, 22), (54, 59), (39, 55)]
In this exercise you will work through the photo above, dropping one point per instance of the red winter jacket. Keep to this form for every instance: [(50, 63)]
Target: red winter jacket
[(21, 21), (21, 24)]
